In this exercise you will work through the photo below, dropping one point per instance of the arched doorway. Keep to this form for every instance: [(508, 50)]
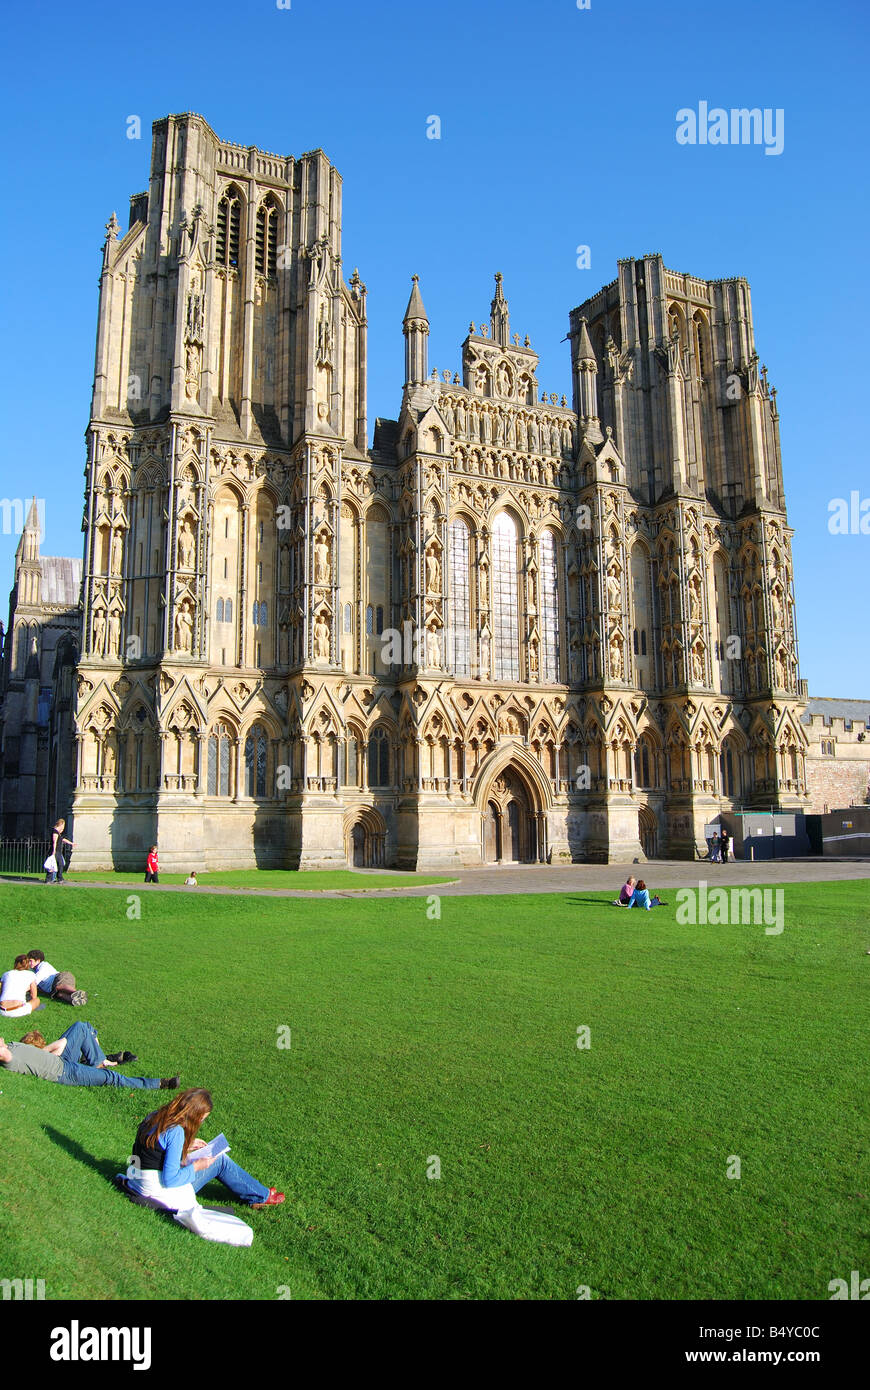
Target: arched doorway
[(365, 839), (512, 829), (648, 832)]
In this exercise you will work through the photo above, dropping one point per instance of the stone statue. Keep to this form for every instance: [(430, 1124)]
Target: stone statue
[(99, 630), (321, 560), (321, 638), (117, 552), (616, 657), (185, 547), (614, 589), (698, 665), (433, 572), (433, 648), (114, 631), (108, 760), (184, 628)]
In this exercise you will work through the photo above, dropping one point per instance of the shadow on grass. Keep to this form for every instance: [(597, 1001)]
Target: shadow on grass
[(106, 1167)]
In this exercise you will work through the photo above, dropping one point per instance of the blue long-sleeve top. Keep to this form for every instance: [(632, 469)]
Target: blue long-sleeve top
[(173, 1172), (639, 898)]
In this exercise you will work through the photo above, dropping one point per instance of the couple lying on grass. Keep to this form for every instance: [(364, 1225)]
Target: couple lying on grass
[(162, 1171), (634, 893)]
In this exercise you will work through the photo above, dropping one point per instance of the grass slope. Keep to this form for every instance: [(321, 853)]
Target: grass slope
[(307, 880), (456, 1038)]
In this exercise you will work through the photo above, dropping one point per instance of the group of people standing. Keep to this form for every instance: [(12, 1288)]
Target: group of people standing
[(721, 847)]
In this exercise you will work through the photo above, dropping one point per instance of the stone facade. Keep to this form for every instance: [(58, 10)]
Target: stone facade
[(838, 756), (514, 628), (40, 651)]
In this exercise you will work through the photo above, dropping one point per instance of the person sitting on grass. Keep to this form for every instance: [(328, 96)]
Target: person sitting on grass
[(57, 984), (190, 881), (165, 1163), (641, 897), (35, 1059), (625, 893), (18, 990)]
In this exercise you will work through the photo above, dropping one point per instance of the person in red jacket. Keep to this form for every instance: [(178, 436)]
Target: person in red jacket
[(151, 866)]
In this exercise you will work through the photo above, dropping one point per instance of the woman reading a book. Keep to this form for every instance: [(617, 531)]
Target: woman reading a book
[(170, 1164)]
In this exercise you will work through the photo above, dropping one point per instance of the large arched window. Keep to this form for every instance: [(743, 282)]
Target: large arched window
[(219, 761), (549, 582), (229, 222), (255, 762), (460, 603), (266, 249), (505, 615), (379, 758)]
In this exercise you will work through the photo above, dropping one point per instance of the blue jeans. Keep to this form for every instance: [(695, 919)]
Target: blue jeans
[(47, 985), (76, 1074), (82, 1045), (232, 1176)]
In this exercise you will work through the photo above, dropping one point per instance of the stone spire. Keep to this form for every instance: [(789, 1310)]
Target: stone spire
[(499, 319), (587, 378), (415, 327)]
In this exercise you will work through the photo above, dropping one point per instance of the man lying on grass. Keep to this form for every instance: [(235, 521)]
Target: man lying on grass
[(76, 1059)]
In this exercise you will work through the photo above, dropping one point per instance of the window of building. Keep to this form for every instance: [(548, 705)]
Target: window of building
[(379, 620), (348, 617), (255, 762), (219, 611), (506, 631), (460, 601), (549, 584), (229, 221), (370, 620), (219, 762), (379, 758), (266, 252), (828, 748)]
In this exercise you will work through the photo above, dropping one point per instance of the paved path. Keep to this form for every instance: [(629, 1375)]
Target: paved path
[(539, 878)]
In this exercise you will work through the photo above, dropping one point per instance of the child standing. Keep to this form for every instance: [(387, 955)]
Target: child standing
[(151, 866)]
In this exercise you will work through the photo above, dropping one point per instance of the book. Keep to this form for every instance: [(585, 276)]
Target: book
[(212, 1150)]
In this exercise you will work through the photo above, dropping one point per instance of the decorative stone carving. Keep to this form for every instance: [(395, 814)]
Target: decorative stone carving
[(184, 627), (321, 638)]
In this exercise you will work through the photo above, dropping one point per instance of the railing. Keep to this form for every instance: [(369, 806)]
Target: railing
[(23, 856)]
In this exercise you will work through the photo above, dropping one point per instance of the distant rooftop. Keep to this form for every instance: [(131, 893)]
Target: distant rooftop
[(829, 708)]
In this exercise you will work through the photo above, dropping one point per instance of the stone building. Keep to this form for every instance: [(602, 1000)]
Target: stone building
[(513, 629), (838, 755), (40, 650)]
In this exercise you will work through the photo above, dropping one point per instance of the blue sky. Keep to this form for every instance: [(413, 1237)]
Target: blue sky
[(557, 129)]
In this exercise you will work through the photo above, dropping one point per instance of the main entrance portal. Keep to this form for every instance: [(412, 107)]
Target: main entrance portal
[(513, 825)]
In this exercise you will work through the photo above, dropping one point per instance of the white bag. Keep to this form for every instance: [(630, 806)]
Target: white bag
[(216, 1225), (50, 864)]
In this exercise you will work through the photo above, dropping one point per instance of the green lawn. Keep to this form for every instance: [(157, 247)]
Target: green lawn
[(306, 880), (414, 1038)]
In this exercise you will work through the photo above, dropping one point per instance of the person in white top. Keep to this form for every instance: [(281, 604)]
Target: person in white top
[(190, 881), (18, 990), (57, 984)]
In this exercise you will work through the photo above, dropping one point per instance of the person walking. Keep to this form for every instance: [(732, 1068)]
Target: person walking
[(167, 1169), (723, 846), (54, 864), (151, 866)]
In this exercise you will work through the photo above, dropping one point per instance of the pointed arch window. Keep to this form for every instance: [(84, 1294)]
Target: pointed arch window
[(379, 758), (219, 761), (505, 610), (219, 611), (266, 246), (229, 224), (460, 599), (549, 580), (255, 762)]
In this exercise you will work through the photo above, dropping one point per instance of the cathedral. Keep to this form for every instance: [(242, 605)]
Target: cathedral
[(514, 629)]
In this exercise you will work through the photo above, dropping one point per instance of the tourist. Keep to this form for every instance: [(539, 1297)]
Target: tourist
[(190, 881), (167, 1169), (54, 864), (79, 1044), (641, 897), (29, 1059), (57, 984), (713, 847), (730, 847), (18, 990), (151, 866), (625, 893), (723, 846)]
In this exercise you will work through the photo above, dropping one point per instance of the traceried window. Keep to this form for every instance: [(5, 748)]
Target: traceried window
[(348, 618), (219, 611), (549, 581), (266, 250), (379, 758), (229, 222), (460, 604), (505, 616), (255, 762), (219, 761)]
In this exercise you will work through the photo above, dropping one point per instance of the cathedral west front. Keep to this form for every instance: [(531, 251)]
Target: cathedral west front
[(515, 628)]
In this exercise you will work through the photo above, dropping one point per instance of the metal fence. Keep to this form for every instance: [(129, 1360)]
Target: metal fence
[(22, 856)]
